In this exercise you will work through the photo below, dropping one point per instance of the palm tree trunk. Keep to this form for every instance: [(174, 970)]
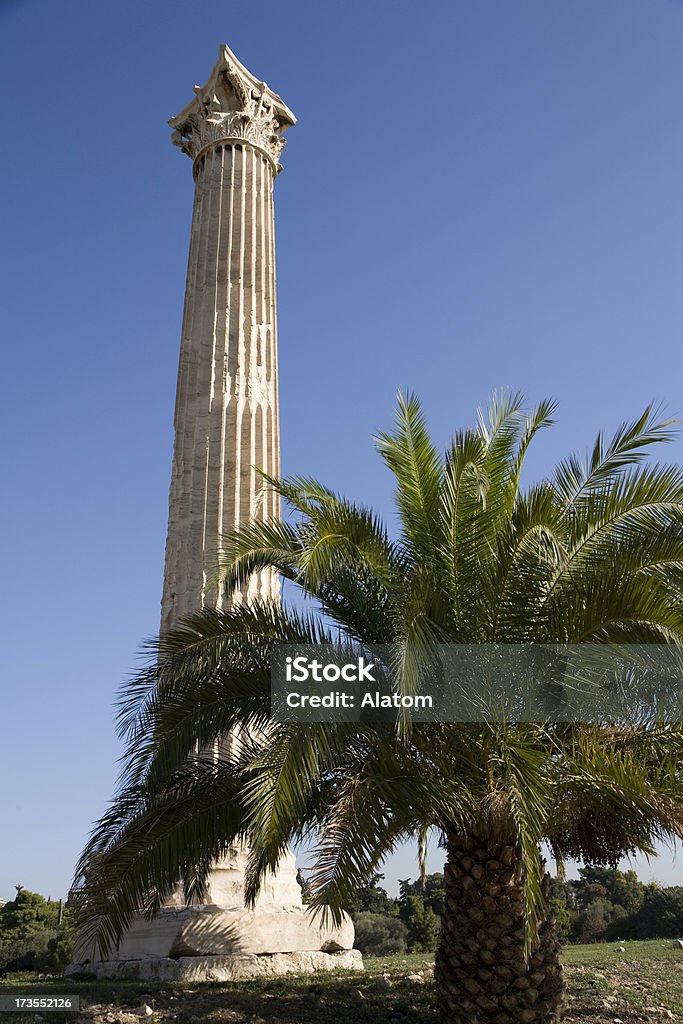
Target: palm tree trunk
[(481, 974)]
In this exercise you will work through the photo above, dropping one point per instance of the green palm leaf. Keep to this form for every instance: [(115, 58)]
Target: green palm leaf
[(593, 554)]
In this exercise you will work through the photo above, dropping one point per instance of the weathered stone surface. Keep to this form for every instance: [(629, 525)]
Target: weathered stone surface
[(232, 106), (226, 884), (263, 931), (222, 968), (212, 930), (226, 417)]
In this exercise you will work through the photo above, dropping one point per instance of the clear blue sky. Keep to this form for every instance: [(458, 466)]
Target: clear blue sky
[(476, 195)]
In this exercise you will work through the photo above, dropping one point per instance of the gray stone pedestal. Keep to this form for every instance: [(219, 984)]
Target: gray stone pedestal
[(242, 967), (221, 940)]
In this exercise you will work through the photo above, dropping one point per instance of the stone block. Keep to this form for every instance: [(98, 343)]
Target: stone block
[(216, 931), (222, 968)]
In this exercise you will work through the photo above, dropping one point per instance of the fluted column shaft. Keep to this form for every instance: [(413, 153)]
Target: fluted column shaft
[(226, 418)]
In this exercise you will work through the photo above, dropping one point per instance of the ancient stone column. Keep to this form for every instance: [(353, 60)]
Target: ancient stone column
[(226, 427), (226, 418)]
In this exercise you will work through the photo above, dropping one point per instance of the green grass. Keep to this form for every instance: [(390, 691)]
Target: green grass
[(604, 954), (641, 984), (647, 976)]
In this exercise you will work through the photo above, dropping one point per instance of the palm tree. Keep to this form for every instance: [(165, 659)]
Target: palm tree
[(593, 554)]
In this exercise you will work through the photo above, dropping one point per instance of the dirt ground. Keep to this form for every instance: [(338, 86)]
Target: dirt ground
[(641, 985)]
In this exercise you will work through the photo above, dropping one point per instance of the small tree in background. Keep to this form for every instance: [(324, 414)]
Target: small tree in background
[(379, 935), (57, 953), (660, 915), (31, 937), (623, 888), (430, 890), (628, 891), (563, 903), (373, 899), (422, 924), (420, 906)]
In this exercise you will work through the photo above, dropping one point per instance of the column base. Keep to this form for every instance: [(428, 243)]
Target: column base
[(217, 931), (242, 967), (279, 935)]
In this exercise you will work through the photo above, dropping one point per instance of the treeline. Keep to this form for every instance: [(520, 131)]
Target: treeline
[(602, 905), (605, 905), (35, 934)]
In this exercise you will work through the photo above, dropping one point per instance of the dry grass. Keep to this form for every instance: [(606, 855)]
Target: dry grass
[(643, 984)]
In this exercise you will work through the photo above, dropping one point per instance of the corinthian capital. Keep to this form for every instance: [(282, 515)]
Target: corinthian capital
[(232, 106)]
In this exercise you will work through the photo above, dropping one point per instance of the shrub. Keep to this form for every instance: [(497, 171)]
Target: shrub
[(601, 921), (57, 954), (18, 953), (378, 935)]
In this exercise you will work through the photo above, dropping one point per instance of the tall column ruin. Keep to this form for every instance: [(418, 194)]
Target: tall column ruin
[(226, 426), (226, 419)]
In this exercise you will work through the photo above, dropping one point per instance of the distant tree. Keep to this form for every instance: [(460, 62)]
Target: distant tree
[(563, 904), (628, 891), (563, 918), (57, 953), (590, 893), (605, 901), (26, 912), (379, 935), (562, 890), (420, 905), (422, 924), (30, 936), (430, 891), (592, 924), (371, 898), (601, 921), (620, 924), (620, 887), (660, 915)]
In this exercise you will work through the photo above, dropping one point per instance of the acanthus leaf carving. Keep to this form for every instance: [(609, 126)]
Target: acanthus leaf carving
[(232, 105)]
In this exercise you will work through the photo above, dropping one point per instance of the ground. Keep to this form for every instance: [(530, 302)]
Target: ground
[(642, 984)]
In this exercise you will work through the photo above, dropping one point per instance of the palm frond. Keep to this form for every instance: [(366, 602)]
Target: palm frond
[(574, 477), (411, 456), (592, 555)]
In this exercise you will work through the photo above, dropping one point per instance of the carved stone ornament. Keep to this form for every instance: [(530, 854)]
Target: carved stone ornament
[(232, 105)]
